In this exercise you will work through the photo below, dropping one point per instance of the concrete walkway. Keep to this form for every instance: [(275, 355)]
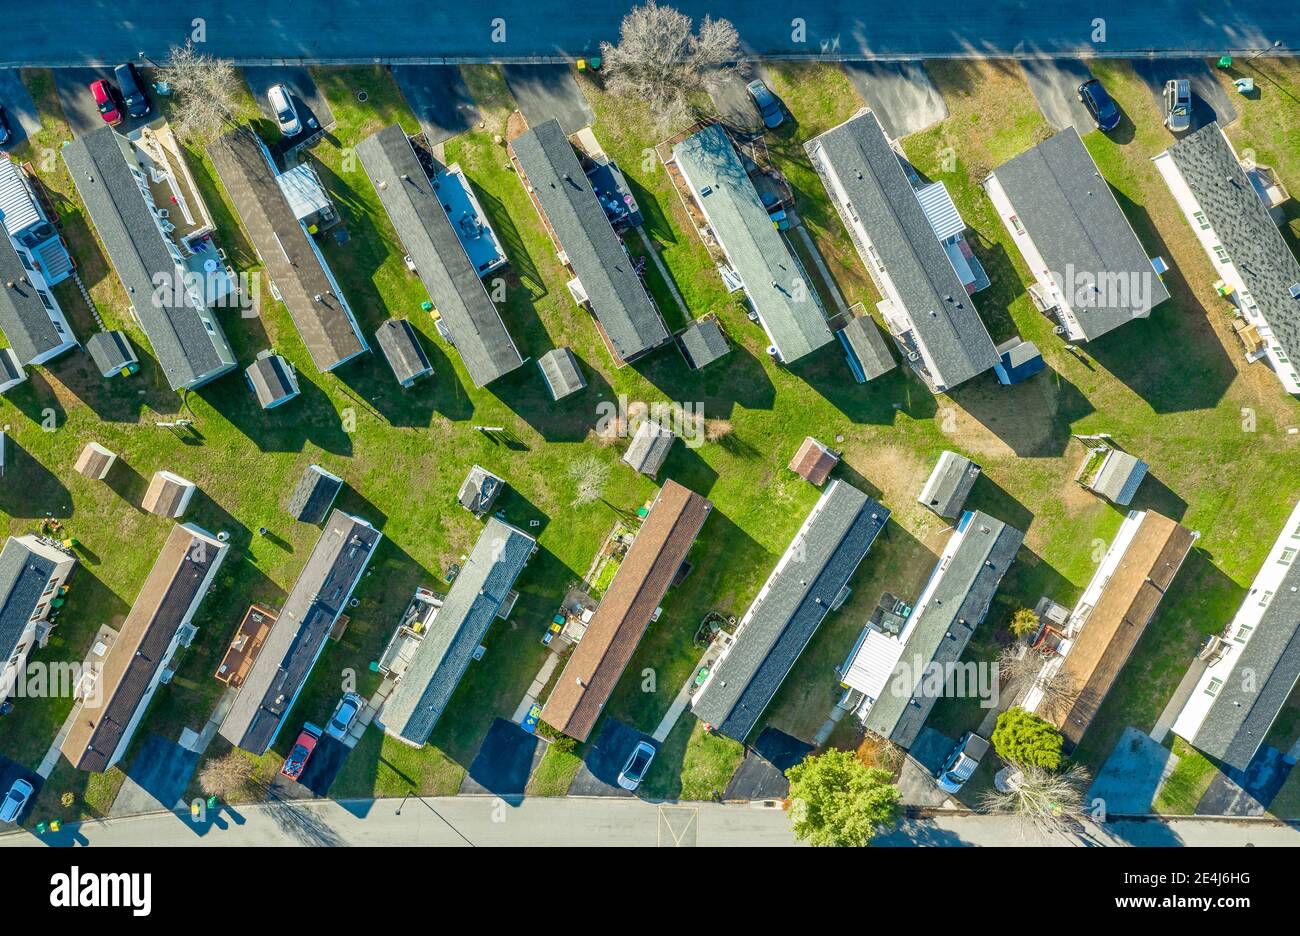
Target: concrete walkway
[(539, 683), (840, 305), (683, 698), (52, 755)]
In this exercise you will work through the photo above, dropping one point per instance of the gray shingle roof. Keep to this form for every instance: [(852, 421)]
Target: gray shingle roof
[(292, 261), (23, 575), (314, 494), (111, 351), (186, 350), (479, 491), (296, 639), (403, 351), (23, 317), (1075, 223), (1243, 711), (798, 596), (943, 627), (862, 338), (561, 372), (649, 448), (949, 485), (1244, 228), (862, 174), (618, 298), (443, 656), (703, 343), (440, 260), (785, 300), (272, 380), (1119, 477)]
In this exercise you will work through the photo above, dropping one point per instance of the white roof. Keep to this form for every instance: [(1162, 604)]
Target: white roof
[(303, 191), (870, 669), (940, 211), (15, 199)]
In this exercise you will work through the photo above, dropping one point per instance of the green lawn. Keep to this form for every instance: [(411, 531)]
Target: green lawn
[(1185, 786), (1171, 388)]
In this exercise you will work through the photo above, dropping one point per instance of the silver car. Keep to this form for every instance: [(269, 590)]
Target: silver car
[(15, 800), (286, 114), (345, 715), (637, 765), (1178, 105)]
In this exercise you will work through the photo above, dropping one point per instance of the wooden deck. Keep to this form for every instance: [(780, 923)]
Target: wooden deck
[(247, 644)]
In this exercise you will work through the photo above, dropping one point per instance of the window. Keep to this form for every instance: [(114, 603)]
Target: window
[(1221, 252), (1242, 633), (1295, 534), (1199, 217), (1213, 688), (27, 264), (1287, 555), (45, 300), (1265, 598), (1016, 225)]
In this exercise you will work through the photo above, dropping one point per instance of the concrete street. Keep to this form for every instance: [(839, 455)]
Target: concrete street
[(483, 821), (365, 30)]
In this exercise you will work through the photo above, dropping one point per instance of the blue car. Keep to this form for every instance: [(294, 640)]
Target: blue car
[(1102, 107), (769, 108)]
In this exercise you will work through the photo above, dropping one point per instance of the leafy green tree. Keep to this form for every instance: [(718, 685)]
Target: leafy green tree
[(837, 800), (1024, 739), (1023, 623)]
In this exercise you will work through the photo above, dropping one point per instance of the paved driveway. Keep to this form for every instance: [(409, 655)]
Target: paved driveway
[(1055, 85), (504, 761), (311, 104), (1132, 775), (9, 772), (156, 778), (1210, 101), (17, 102), (732, 102), (546, 91), (73, 87), (900, 93), (604, 760), (440, 99)]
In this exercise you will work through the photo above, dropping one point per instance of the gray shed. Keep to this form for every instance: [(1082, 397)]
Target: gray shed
[(11, 370), (650, 447), (272, 380), (867, 352), (112, 353), (949, 485), (560, 370), (1119, 477), (402, 349), (703, 343), (314, 495)]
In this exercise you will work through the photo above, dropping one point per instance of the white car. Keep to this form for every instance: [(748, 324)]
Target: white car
[(286, 114), (961, 763), (637, 765), (345, 715), (15, 800)]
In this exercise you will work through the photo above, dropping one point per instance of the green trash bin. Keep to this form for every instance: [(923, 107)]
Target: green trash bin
[(1225, 61)]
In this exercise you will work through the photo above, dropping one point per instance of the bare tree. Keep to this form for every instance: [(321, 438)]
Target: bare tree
[(1022, 670), (1050, 802), (660, 61), (591, 474), (206, 92), (231, 776)]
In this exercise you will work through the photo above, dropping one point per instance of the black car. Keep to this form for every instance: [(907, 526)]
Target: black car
[(132, 88), (1102, 107)]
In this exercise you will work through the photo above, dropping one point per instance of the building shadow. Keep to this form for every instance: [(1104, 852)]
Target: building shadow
[(29, 490), (570, 419), (877, 402), (1032, 418), (310, 418)]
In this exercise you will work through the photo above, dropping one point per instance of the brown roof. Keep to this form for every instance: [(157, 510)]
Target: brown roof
[(94, 461), (170, 593), (814, 461), (166, 494), (1128, 602), (624, 614), (245, 646)]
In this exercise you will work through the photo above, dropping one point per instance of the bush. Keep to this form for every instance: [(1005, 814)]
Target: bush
[(838, 800), (1023, 623), (1025, 740)]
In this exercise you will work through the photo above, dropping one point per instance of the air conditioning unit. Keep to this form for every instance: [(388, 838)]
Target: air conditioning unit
[(1213, 650)]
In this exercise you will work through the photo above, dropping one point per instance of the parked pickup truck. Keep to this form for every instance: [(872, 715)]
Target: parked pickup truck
[(301, 753), (961, 763)]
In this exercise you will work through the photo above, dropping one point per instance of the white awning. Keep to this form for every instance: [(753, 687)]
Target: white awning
[(940, 211), (870, 669), (303, 191)]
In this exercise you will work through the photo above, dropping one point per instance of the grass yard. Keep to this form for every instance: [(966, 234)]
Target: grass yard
[(1171, 388), (1185, 786)]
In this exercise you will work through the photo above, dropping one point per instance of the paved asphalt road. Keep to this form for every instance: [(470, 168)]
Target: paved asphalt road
[(361, 30), (572, 821)]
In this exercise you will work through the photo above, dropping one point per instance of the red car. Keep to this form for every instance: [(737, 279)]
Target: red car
[(108, 101), (301, 753)]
